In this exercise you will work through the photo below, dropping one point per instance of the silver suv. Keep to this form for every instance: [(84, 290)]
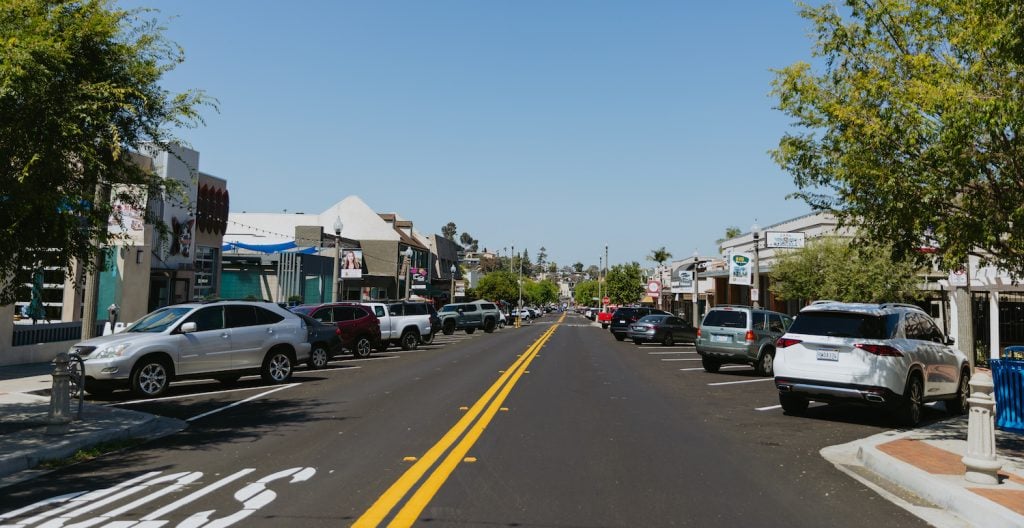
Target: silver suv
[(740, 334), (223, 340)]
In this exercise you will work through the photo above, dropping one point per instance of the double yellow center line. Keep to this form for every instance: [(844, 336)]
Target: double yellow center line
[(485, 408)]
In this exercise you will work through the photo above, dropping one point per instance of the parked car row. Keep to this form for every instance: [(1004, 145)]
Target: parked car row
[(225, 340)]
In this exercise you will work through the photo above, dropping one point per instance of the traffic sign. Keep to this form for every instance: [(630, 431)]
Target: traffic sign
[(606, 300)]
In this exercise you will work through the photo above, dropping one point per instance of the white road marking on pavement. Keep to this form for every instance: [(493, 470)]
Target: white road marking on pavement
[(378, 358), (680, 359), (768, 408), (667, 353), (736, 382), (197, 494), (723, 367), (240, 402)]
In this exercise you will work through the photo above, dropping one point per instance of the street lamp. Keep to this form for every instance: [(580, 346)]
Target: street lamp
[(452, 298), (338, 289), (408, 276), (696, 288), (755, 292)]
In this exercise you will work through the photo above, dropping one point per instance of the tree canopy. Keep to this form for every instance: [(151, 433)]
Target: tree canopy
[(585, 292), (625, 283), (659, 255), (834, 269), (498, 285), (448, 231), (908, 125), (79, 93)]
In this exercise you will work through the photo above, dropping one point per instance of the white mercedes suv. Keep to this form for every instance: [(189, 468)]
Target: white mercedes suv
[(885, 355), (219, 339)]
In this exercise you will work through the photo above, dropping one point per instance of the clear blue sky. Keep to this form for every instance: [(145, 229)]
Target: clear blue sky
[(566, 124)]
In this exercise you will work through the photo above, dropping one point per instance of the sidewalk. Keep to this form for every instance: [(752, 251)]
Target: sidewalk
[(24, 405), (921, 471)]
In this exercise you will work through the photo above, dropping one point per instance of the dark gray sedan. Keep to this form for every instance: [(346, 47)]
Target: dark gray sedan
[(324, 340), (661, 328)]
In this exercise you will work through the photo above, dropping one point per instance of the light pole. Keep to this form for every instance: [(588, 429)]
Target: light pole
[(338, 285), (452, 298), (756, 290), (696, 288), (600, 275), (408, 274)]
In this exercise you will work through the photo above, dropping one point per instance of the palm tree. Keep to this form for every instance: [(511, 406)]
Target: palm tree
[(730, 233), (659, 255)]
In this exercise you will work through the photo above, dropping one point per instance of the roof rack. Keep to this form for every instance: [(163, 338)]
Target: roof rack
[(824, 301), (902, 305)]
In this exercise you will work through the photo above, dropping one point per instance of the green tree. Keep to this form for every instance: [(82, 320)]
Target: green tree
[(552, 267), (578, 267), (544, 292), (499, 285), (448, 231), (911, 128), (625, 283), (730, 233), (79, 94), (585, 292), (835, 269), (659, 255)]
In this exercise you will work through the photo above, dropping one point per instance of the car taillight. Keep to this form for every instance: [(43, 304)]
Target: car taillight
[(698, 332), (784, 342), (750, 335), (337, 331), (880, 350), (632, 319)]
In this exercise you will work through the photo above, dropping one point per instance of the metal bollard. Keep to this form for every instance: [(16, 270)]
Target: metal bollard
[(59, 417), (982, 466)]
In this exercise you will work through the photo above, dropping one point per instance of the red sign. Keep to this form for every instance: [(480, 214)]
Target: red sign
[(653, 288), (606, 300)]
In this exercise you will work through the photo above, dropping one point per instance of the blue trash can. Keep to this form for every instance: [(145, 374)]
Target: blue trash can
[(1008, 378)]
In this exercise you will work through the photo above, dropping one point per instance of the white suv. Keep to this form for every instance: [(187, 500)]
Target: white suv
[(887, 355), (220, 339)]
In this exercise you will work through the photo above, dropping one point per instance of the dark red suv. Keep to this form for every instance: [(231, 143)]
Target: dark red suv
[(358, 327)]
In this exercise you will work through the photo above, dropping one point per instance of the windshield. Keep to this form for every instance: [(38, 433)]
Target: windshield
[(304, 310), (450, 308), (159, 320)]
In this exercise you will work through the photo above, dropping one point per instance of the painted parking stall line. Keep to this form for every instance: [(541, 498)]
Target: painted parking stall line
[(671, 353), (680, 359), (723, 367), (739, 382)]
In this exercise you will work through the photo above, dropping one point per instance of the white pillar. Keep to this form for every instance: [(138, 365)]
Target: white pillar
[(982, 466)]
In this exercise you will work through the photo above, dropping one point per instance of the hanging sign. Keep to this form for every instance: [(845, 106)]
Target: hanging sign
[(740, 265)]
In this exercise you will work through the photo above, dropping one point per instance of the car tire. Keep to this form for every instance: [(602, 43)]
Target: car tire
[(449, 327), (604, 326), (710, 365), (766, 364), (793, 404), (668, 341), (362, 348), (470, 330), (638, 341), (150, 377), (428, 339), (910, 407), (409, 340), (489, 326), (959, 405), (619, 337), (277, 366), (318, 357)]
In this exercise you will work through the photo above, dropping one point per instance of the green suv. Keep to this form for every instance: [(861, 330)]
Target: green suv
[(742, 335)]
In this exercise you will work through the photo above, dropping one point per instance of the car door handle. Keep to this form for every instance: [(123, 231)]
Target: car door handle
[(225, 335), (270, 330)]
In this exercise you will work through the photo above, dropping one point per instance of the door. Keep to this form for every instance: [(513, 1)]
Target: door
[(248, 337), (208, 349)]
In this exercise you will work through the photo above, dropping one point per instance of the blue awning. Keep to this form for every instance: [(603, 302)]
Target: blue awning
[(267, 248)]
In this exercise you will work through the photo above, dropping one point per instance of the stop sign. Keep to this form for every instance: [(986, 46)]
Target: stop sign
[(606, 300)]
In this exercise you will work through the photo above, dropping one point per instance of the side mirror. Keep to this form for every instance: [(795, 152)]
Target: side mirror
[(950, 341), (188, 328)]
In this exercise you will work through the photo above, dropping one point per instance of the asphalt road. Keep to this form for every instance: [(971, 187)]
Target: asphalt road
[(543, 426)]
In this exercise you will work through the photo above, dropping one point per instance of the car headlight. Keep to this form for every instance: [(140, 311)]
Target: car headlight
[(111, 351)]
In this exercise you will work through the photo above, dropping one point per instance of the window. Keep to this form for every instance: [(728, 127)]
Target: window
[(488, 307), (378, 311), (845, 324), (418, 309), (342, 313), (775, 323), (324, 315), (206, 272), (210, 318), (759, 320), (468, 308), (265, 316), (726, 318), (397, 309), (238, 316)]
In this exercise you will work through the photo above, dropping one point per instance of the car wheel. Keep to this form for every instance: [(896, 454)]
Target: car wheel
[(604, 326), (489, 326), (428, 339), (668, 341), (363, 348), (710, 365), (470, 330), (910, 407), (449, 327), (792, 403), (766, 365), (619, 337), (409, 340), (277, 367), (150, 377), (318, 357), (638, 341), (959, 405)]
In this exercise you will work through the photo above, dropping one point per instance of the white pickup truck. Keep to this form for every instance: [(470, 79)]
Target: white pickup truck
[(402, 323)]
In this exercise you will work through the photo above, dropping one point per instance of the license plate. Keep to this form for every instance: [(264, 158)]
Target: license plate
[(622, 321), (827, 355), (719, 338)]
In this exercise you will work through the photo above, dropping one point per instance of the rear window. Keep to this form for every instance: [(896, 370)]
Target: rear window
[(488, 306), (726, 318), (845, 324), (652, 318), (624, 313)]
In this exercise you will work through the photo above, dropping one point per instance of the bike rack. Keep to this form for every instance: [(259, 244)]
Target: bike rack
[(76, 377)]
